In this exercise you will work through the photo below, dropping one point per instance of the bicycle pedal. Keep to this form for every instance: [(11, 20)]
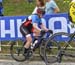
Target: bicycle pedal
[(30, 53), (26, 56)]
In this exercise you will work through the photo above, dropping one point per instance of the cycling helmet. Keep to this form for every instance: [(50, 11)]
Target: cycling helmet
[(41, 11)]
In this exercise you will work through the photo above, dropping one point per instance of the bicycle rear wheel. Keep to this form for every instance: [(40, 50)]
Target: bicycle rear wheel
[(17, 50), (52, 47)]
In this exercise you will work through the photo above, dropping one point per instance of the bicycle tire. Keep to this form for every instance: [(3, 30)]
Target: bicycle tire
[(14, 52), (51, 57), (41, 49)]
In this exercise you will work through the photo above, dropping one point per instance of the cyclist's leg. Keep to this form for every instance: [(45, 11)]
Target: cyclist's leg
[(28, 42), (36, 39), (25, 32), (36, 33)]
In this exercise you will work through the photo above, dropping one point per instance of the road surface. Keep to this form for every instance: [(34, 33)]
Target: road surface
[(12, 62)]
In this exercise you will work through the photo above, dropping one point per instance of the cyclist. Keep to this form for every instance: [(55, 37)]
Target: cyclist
[(72, 13), (51, 7), (33, 25)]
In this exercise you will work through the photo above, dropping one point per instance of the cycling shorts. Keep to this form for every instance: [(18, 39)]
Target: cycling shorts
[(25, 30)]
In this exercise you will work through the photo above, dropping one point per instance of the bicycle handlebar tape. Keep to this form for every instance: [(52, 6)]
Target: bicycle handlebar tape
[(42, 32), (50, 31)]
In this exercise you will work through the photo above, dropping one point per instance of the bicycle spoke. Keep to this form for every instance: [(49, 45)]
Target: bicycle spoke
[(52, 47), (17, 52)]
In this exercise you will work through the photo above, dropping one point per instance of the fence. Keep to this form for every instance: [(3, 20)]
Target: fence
[(9, 27)]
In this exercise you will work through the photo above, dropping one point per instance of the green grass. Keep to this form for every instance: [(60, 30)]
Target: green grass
[(22, 7), (12, 7), (64, 6)]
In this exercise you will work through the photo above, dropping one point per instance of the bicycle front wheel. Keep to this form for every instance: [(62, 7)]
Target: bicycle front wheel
[(52, 47), (16, 51)]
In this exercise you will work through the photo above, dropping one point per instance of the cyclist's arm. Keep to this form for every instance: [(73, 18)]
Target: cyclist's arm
[(55, 7), (44, 27), (36, 27), (35, 22), (56, 10)]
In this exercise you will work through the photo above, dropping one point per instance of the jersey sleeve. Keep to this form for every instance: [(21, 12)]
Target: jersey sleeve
[(34, 19), (54, 5)]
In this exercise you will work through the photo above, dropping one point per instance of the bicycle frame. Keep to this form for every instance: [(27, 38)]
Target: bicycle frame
[(71, 38), (62, 52), (30, 51)]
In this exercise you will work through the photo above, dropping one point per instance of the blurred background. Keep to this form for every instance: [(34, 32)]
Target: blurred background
[(25, 7), (21, 8)]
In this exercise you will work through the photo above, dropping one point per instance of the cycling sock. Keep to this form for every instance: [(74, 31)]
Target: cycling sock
[(26, 50)]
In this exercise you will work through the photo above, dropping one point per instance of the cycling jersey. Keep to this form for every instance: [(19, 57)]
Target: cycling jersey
[(36, 19), (72, 11), (27, 26)]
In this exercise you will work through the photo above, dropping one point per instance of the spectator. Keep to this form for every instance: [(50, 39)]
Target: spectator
[(1, 7), (39, 3), (72, 13), (51, 7)]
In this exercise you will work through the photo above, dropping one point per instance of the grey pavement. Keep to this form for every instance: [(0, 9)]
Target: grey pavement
[(7, 60), (12, 62)]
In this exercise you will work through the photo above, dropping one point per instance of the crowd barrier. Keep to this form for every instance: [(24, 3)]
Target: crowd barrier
[(9, 25)]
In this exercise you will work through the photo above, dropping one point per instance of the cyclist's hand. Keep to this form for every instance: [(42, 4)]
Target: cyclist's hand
[(50, 31), (42, 32)]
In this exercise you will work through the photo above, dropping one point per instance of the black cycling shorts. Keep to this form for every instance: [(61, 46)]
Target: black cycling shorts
[(25, 30)]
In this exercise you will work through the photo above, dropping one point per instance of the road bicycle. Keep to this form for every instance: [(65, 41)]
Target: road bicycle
[(17, 51), (59, 49)]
